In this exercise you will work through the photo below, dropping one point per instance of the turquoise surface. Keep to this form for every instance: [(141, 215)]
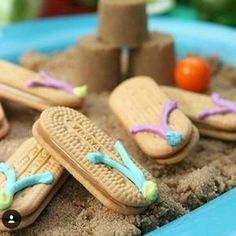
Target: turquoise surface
[(215, 218), (57, 34)]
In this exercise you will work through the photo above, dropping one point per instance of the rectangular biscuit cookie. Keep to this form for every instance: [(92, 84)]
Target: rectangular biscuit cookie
[(95, 160), (159, 128), (34, 90), (31, 159), (213, 115)]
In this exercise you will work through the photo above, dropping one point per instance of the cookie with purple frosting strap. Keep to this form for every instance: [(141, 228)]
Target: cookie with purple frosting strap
[(102, 165), (37, 90), (28, 181), (159, 128), (214, 115)]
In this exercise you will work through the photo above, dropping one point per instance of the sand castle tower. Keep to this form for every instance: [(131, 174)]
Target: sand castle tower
[(123, 24)]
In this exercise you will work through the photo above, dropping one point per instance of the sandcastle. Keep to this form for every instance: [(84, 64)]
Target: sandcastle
[(123, 25)]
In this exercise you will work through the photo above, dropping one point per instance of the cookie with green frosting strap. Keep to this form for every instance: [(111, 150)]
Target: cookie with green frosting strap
[(101, 165), (13, 185), (38, 90), (29, 179)]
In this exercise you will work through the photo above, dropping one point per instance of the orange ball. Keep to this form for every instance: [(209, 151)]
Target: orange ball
[(192, 73)]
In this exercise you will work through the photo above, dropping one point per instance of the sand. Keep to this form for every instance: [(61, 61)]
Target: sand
[(208, 172)]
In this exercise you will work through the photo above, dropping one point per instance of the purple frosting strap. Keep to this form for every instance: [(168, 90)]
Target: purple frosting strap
[(148, 128), (224, 107), (164, 128), (169, 107), (50, 82)]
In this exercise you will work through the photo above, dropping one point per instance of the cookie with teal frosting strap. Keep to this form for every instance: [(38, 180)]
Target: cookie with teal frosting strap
[(154, 121), (38, 90), (214, 115), (28, 181), (101, 164)]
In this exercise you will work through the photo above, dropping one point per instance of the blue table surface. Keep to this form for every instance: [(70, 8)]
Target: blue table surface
[(57, 34), (49, 35)]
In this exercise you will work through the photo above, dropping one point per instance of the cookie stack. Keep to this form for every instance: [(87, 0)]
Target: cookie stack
[(123, 24)]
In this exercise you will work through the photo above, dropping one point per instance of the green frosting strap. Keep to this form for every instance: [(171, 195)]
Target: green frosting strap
[(12, 186), (129, 169), (80, 91)]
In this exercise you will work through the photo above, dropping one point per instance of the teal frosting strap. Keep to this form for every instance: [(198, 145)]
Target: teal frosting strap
[(13, 186), (11, 178), (129, 169), (129, 163), (43, 178)]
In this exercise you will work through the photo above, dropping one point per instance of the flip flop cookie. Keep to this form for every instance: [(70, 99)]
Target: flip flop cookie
[(28, 181), (213, 115), (37, 90), (103, 166), (159, 128)]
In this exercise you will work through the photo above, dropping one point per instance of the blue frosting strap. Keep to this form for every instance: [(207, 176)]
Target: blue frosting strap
[(11, 178), (129, 163), (98, 158), (12, 186), (130, 170), (43, 178)]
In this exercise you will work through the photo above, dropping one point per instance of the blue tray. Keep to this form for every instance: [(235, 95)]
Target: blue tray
[(214, 218)]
